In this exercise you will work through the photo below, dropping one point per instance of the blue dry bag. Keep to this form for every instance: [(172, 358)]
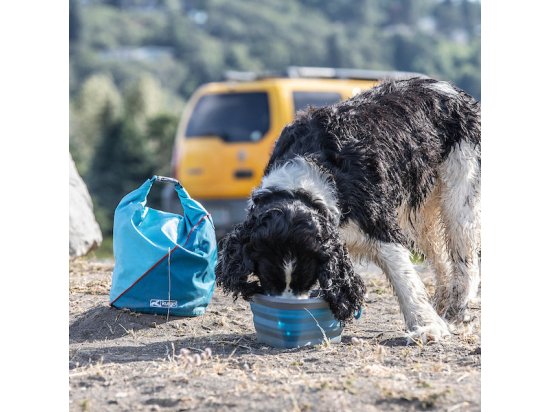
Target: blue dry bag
[(164, 262)]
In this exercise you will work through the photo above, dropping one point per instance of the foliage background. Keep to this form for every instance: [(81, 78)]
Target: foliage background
[(135, 63)]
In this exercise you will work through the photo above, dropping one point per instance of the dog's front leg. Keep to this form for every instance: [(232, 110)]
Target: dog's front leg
[(423, 323)]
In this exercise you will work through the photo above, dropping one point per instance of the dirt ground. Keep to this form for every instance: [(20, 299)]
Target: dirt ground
[(123, 361)]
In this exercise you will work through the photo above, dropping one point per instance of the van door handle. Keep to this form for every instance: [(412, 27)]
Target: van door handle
[(243, 174)]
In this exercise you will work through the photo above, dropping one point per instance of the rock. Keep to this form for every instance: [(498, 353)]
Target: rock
[(84, 231)]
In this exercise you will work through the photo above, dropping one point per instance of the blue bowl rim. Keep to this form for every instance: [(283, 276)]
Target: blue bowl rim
[(284, 303)]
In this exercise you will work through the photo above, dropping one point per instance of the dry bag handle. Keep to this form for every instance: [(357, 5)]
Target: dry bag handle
[(165, 179), (182, 193)]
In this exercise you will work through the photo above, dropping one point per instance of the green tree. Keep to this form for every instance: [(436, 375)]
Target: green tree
[(132, 147), (143, 99), (75, 21), (337, 55), (161, 131), (98, 104), (122, 162)]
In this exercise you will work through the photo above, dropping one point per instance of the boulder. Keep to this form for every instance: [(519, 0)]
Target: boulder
[(84, 231)]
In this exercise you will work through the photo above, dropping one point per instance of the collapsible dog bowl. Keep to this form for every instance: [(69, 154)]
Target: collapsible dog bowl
[(291, 323)]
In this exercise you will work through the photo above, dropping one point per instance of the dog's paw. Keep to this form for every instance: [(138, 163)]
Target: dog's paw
[(454, 307), (433, 332), (457, 315)]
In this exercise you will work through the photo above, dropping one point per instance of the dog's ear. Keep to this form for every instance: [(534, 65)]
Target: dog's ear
[(342, 287), (258, 196), (234, 266)]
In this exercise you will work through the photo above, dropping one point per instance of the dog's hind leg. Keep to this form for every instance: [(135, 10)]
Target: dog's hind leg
[(430, 240), (427, 231), (420, 317), (460, 181)]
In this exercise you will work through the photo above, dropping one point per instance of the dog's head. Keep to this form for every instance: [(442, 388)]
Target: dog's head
[(287, 243)]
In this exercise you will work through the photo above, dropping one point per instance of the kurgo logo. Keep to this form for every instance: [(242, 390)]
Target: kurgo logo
[(159, 303)]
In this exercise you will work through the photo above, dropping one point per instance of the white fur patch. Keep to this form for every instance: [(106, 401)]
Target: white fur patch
[(442, 87), (358, 244), (288, 267), (300, 174), (461, 214)]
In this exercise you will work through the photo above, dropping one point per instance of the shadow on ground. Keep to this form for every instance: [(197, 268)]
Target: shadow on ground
[(105, 322)]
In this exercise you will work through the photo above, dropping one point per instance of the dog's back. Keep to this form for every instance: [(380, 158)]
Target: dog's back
[(384, 147)]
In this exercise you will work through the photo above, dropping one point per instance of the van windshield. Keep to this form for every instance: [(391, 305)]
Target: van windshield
[(234, 117)]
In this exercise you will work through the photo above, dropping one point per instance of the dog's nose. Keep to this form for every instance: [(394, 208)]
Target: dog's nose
[(288, 294)]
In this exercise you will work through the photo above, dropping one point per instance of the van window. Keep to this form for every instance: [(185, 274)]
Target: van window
[(316, 99), (234, 117)]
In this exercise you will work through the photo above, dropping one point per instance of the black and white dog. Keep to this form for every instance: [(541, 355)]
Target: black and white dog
[(394, 168)]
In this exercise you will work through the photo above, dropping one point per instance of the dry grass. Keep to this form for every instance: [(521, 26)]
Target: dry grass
[(120, 360)]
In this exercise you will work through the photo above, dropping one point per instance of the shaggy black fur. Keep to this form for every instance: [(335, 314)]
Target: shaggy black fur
[(282, 226), (380, 148)]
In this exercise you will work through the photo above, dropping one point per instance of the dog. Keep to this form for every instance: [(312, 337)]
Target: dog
[(393, 169)]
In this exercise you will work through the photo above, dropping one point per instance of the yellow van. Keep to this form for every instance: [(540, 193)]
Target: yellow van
[(228, 130)]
